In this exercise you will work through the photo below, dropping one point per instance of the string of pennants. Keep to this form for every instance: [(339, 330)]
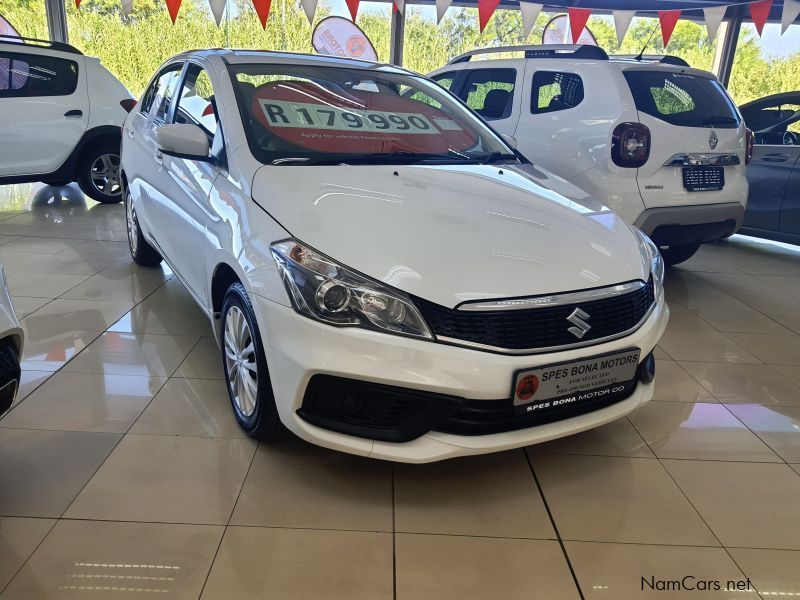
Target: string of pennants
[(578, 17)]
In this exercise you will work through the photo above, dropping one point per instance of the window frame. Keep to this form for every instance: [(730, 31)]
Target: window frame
[(534, 104), (27, 58), (178, 66)]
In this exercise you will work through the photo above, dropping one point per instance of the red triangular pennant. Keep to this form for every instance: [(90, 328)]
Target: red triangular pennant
[(77, 3), (353, 6), (577, 21), (760, 13), (262, 10), (668, 20), (173, 6), (485, 11)]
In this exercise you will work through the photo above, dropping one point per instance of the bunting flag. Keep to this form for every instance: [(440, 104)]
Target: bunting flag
[(486, 9), (577, 21), (713, 17), (759, 11), (77, 3), (791, 8), (668, 19), (127, 7), (217, 8), (622, 20), (352, 5), (441, 8), (310, 8), (530, 12), (400, 6), (262, 10), (173, 6)]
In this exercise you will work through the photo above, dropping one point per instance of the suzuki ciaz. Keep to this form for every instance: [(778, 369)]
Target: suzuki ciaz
[(384, 274)]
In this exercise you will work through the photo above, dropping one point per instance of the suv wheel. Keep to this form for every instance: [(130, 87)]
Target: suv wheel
[(99, 175), (142, 252), (245, 367), (674, 255)]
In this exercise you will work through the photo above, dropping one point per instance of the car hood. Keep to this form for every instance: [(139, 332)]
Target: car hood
[(454, 233)]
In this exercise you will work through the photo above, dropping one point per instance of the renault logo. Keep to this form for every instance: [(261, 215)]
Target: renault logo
[(578, 319), (712, 140)]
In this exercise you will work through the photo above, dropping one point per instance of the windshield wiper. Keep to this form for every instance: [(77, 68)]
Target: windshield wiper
[(720, 119), (407, 158), (496, 157)]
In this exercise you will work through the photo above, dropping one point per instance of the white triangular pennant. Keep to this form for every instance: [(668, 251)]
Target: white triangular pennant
[(441, 8), (310, 8), (401, 5), (622, 20), (530, 12), (217, 9), (127, 7), (791, 8), (713, 17)]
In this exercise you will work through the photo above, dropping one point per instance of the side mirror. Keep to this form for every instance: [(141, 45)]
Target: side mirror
[(184, 141), (510, 140)]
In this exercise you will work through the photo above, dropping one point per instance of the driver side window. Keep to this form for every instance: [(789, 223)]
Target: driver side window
[(196, 103)]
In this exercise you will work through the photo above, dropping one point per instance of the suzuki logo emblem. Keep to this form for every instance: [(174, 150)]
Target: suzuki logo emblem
[(578, 319), (712, 140)]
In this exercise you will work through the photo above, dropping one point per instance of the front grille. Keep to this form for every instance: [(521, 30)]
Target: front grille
[(539, 328)]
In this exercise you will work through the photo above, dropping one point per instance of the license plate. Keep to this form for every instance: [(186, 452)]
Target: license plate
[(561, 384), (703, 178)]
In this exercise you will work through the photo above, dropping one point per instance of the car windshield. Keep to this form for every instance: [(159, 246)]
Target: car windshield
[(312, 115)]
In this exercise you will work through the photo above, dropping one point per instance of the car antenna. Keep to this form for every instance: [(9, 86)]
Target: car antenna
[(639, 56)]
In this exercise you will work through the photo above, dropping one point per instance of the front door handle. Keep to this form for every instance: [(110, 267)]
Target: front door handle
[(130, 133), (73, 114), (775, 157), (159, 158)]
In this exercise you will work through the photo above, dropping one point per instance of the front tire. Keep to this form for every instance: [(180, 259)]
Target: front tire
[(99, 174), (142, 252), (674, 255), (245, 367)]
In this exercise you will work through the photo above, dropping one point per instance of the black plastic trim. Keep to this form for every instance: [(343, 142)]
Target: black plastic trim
[(27, 41), (677, 235)]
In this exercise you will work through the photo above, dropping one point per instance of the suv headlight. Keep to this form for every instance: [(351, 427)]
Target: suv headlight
[(652, 255), (324, 290)]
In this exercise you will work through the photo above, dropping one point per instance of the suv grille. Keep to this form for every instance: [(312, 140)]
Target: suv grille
[(539, 328)]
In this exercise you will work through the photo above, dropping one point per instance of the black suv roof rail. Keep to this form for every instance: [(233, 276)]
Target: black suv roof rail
[(540, 51), (60, 46), (666, 59)]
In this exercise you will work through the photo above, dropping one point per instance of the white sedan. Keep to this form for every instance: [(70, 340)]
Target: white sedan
[(385, 275)]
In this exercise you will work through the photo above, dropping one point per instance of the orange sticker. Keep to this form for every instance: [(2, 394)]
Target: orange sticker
[(527, 387)]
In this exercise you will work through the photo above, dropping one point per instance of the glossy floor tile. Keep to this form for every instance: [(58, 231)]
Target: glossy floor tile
[(124, 474)]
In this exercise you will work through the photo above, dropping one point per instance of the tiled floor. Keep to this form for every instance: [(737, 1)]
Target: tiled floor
[(124, 475)]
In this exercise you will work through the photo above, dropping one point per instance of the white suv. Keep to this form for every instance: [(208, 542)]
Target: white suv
[(384, 275), (660, 143), (61, 115)]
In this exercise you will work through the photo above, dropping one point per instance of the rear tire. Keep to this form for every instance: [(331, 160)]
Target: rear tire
[(99, 174), (142, 252), (674, 255), (245, 367)]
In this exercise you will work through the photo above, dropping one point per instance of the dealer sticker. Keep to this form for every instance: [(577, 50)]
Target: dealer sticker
[(566, 383)]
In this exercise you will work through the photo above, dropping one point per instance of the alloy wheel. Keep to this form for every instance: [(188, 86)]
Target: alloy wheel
[(240, 361), (133, 226), (105, 175)]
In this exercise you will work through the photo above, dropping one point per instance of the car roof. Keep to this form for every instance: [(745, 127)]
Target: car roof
[(248, 57)]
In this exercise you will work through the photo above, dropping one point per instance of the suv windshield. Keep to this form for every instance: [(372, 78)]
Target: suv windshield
[(303, 115), (682, 99)]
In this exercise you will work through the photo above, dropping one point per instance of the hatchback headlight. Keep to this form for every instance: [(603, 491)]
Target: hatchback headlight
[(652, 255), (326, 291)]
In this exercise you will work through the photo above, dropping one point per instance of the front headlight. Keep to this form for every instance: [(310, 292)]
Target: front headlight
[(329, 292), (652, 254)]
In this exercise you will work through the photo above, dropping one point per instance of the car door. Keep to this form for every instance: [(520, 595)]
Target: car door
[(768, 175), (188, 215), (790, 208), (143, 162), (44, 111)]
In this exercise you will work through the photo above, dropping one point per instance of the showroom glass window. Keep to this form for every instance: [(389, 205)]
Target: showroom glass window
[(490, 92), (31, 75), (682, 99), (157, 97), (196, 103), (552, 91)]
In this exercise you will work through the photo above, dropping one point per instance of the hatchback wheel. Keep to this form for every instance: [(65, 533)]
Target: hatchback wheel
[(245, 367), (142, 252), (99, 174)]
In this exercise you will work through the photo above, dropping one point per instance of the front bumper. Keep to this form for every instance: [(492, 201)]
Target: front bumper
[(298, 348), (691, 224)]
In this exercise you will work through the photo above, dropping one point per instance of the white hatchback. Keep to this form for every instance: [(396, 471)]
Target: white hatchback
[(61, 116), (385, 276), (660, 143)]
